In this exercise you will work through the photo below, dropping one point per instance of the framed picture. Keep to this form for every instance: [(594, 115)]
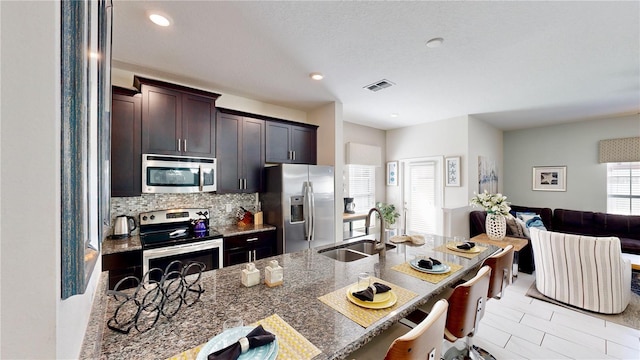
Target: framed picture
[(550, 178), (452, 171), (392, 173)]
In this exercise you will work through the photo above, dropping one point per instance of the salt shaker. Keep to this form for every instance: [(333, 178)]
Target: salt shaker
[(273, 274), (250, 275)]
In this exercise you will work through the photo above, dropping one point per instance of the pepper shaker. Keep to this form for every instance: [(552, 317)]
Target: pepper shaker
[(273, 274)]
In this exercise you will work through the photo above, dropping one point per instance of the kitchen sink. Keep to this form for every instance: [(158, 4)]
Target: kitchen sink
[(352, 251)]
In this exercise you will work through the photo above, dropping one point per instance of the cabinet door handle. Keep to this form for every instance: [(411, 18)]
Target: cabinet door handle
[(240, 184), (245, 184), (185, 145), (249, 256), (294, 153), (254, 255), (179, 148), (252, 239)]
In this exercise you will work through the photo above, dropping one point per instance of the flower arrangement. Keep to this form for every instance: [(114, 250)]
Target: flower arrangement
[(493, 203)]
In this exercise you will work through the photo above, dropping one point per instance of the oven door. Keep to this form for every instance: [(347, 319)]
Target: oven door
[(177, 174), (208, 252)]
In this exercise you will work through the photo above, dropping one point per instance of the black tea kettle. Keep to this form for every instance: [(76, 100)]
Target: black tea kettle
[(123, 226)]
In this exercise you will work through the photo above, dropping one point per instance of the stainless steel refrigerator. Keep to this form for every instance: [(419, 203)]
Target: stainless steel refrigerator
[(299, 202)]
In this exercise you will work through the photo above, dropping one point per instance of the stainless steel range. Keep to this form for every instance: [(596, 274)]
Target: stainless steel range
[(179, 234)]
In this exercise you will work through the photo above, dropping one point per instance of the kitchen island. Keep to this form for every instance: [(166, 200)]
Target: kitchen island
[(307, 276)]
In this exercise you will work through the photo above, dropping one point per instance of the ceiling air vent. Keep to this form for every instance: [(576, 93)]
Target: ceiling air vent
[(379, 85)]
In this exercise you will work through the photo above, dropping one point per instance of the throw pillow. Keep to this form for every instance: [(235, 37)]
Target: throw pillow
[(523, 228), (513, 227)]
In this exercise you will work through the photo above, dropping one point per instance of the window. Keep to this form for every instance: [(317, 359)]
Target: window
[(361, 186), (422, 196), (623, 188)]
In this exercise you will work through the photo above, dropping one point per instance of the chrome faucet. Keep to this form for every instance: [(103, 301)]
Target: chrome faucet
[(380, 245)]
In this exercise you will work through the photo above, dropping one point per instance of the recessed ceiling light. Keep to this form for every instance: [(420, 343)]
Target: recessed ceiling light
[(159, 20), (435, 42), (316, 76), (394, 115)]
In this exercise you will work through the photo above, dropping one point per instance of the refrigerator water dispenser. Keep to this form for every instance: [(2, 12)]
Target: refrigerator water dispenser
[(297, 214)]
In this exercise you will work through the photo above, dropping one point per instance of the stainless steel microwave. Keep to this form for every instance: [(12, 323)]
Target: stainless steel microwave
[(177, 174)]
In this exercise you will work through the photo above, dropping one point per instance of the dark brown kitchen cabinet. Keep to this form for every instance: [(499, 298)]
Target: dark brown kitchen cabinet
[(240, 153), (123, 264), (177, 120), (289, 143), (126, 167), (244, 248)]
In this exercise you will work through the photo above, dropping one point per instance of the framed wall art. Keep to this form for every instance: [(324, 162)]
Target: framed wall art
[(392, 173), (452, 171), (549, 178)]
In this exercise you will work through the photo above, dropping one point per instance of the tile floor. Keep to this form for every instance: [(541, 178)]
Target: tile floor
[(520, 327)]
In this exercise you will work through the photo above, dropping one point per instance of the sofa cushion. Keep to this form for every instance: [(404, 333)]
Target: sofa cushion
[(623, 226), (546, 214), (574, 222)]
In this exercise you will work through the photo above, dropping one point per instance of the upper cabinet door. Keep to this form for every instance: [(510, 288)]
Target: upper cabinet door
[(126, 159), (228, 142), (198, 126), (288, 143), (278, 149), (303, 144), (253, 149), (161, 120)]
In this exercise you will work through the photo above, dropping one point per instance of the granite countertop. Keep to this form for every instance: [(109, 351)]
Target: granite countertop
[(307, 275), (112, 246)]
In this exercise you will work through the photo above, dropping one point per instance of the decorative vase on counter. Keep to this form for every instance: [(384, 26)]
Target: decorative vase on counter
[(496, 226)]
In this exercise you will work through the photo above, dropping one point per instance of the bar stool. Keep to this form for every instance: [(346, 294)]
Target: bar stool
[(501, 265), (466, 308), (423, 341)]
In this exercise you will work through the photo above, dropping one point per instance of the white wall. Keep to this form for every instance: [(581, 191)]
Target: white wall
[(369, 136), (574, 145), (330, 150), (123, 76), (35, 322)]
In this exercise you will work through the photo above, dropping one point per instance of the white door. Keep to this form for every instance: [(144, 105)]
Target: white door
[(422, 192)]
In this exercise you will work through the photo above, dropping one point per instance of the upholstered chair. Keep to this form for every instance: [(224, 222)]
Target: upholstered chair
[(584, 271), (466, 308)]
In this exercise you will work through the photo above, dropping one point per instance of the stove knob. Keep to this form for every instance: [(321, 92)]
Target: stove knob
[(144, 218), (153, 217)]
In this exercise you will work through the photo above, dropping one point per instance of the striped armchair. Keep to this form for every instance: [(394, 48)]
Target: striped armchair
[(584, 271)]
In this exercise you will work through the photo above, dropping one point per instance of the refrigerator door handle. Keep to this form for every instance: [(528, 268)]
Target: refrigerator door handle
[(305, 211), (312, 203)]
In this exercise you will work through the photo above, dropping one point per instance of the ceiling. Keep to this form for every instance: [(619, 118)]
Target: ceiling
[(512, 64)]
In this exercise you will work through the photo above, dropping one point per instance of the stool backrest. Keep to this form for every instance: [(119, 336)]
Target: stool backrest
[(501, 265), (466, 305), (423, 341)]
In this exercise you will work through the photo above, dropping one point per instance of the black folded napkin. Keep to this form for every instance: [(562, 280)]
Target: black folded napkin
[(257, 337), (373, 289), (466, 246), (425, 264), (434, 261)]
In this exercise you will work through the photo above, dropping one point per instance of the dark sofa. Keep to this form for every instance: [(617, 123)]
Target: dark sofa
[(625, 227)]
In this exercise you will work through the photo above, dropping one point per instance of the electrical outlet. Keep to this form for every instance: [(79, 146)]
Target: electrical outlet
[(229, 208)]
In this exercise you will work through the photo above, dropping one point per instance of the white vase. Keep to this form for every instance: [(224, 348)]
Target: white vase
[(496, 226)]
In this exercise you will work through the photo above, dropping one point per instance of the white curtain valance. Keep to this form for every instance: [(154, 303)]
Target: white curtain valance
[(620, 150)]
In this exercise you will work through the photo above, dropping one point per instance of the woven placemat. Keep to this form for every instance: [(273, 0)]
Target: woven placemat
[(443, 248), (291, 344), (432, 278), (363, 316)]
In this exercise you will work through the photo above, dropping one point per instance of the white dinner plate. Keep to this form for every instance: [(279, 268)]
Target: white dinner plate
[(226, 338)]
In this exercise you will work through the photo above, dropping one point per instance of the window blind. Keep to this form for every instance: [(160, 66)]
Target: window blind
[(361, 186), (623, 188), (421, 199)]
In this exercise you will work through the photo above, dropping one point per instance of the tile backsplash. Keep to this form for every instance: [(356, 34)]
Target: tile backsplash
[(217, 204)]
